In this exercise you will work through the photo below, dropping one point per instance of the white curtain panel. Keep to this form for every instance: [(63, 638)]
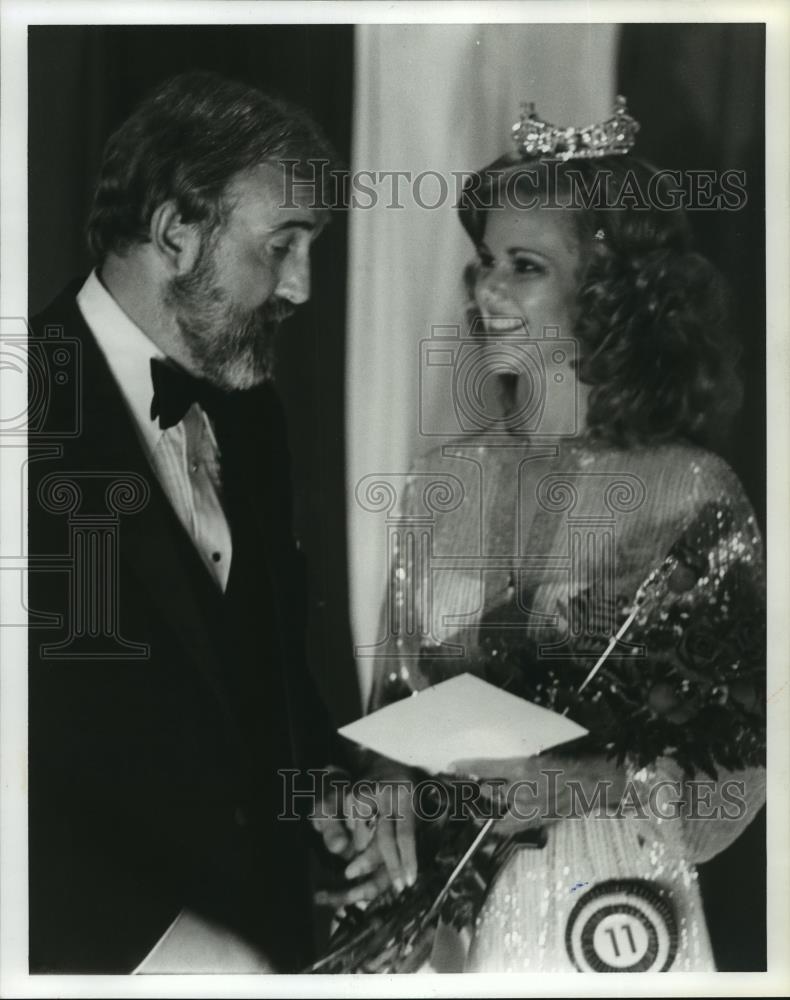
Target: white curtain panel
[(436, 100)]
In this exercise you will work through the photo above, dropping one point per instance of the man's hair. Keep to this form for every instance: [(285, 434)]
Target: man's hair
[(185, 142)]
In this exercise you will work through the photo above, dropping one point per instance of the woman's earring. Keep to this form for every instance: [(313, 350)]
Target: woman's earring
[(599, 235)]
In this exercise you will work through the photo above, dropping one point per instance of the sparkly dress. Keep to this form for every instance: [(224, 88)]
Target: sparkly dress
[(518, 562)]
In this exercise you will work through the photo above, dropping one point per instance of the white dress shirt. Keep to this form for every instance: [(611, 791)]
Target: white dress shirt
[(185, 457)]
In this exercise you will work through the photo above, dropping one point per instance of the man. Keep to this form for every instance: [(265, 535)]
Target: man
[(168, 683)]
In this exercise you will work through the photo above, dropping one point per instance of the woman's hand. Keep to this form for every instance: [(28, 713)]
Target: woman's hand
[(533, 791)]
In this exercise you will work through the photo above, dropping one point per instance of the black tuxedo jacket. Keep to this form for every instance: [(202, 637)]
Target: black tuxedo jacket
[(155, 729)]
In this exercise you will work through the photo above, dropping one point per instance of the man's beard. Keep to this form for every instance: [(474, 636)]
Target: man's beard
[(232, 348)]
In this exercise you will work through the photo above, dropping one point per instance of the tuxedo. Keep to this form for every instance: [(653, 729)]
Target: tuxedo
[(156, 735)]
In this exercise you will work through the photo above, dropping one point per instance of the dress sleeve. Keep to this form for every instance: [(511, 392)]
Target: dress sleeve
[(704, 632), (702, 816)]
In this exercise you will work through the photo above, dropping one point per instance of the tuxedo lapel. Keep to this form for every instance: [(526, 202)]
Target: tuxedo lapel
[(152, 542)]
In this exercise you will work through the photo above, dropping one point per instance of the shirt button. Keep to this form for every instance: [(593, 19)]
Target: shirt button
[(240, 817), (216, 556), (195, 466)]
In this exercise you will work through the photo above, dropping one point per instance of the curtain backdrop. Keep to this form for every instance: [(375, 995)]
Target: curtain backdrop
[(432, 98)]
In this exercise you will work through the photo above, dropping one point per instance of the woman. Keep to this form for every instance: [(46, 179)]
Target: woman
[(590, 507)]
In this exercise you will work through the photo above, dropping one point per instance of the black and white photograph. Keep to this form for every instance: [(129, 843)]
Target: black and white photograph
[(393, 437)]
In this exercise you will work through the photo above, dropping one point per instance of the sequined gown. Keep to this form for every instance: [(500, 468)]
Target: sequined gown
[(517, 562)]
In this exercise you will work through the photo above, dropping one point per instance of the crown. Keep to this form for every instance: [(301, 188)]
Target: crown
[(535, 138)]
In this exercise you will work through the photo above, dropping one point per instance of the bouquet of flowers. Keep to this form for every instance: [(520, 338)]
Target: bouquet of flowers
[(697, 691)]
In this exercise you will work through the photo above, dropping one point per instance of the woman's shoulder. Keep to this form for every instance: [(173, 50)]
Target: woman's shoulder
[(674, 469), (676, 483)]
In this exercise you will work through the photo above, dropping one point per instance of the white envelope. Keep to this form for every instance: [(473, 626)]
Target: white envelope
[(462, 718)]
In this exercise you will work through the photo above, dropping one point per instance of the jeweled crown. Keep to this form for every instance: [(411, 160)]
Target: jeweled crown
[(535, 138)]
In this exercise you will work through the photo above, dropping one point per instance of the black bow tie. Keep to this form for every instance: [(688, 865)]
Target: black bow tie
[(175, 390)]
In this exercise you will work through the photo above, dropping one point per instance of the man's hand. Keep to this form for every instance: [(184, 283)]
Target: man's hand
[(376, 833), (329, 819)]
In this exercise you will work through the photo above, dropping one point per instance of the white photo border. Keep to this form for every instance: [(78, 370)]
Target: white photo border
[(17, 15)]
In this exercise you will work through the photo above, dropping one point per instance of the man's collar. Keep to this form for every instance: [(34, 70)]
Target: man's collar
[(128, 352)]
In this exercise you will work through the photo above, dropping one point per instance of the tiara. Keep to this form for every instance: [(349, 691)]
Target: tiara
[(536, 138)]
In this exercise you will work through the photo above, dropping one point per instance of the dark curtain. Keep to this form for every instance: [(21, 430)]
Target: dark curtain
[(83, 81), (698, 91)]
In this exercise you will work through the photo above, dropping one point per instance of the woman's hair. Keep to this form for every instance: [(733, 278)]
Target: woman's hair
[(186, 141), (654, 344)]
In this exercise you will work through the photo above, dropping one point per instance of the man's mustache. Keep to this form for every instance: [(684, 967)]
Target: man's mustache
[(276, 310)]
